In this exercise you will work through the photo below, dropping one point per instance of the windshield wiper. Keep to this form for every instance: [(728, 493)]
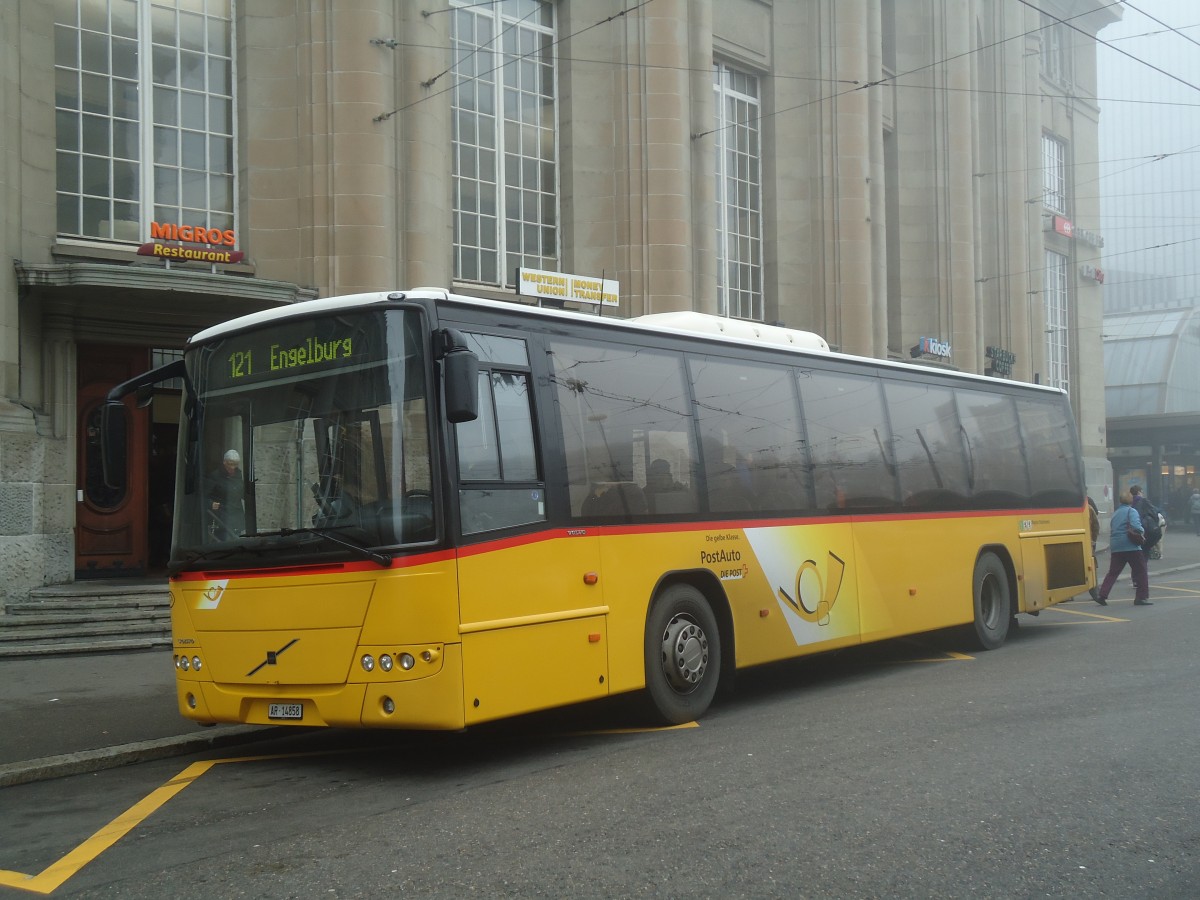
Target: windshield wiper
[(219, 553), (380, 559)]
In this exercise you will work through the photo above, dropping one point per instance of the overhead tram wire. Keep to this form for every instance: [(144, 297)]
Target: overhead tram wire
[(383, 117), (1163, 24), (856, 85), (501, 34), (1110, 46), (891, 78)]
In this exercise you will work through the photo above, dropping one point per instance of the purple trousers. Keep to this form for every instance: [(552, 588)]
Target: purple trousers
[(1137, 571)]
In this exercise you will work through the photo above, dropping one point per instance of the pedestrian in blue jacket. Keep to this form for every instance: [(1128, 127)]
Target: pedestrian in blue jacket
[(1123, 550)]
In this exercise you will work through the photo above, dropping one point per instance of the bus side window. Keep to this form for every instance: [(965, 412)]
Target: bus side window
[(995, 455), (755, 457), (624, 412), (850, 440), (1049, 441), (927, 446)]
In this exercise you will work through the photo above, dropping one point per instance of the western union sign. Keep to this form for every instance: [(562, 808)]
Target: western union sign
[(560, 287)]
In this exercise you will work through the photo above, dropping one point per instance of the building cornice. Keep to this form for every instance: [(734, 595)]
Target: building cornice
[(159, 279)]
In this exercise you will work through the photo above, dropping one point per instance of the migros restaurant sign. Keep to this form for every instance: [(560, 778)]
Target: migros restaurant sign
[(191, 243)]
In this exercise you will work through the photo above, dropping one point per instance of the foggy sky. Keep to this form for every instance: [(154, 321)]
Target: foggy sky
[(1146, 114)]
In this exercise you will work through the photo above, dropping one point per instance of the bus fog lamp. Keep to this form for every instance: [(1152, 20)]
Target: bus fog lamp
[(191, 701), (368, 662), (407, 661), (385, 662), (389, 706)]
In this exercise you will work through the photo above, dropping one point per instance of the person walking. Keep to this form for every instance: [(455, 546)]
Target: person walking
[(1151, 522), (1124, 550), (1194, 509)]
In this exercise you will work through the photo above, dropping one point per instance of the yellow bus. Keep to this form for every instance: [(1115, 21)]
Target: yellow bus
[(423, 510)]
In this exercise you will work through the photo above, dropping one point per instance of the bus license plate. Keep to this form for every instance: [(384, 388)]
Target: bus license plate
[(285, 711)]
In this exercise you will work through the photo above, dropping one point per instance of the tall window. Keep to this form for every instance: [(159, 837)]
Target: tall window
[(504, 154), (144, 105), (739, 194), (1056, 51), (1058, 369), (1054, 174)]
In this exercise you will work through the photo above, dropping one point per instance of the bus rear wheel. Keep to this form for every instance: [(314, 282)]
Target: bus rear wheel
[(992, 603), (683, 655)]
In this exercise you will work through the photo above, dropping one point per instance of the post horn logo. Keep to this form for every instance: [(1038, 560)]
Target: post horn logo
[(815, 596)]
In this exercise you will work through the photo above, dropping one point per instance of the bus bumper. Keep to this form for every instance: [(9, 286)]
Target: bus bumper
[(432, 702)]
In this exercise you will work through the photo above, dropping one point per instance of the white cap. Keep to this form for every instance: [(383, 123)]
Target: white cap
[(232, 456)]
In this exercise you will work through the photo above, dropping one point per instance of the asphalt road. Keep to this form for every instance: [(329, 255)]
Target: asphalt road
[(1064, 764)]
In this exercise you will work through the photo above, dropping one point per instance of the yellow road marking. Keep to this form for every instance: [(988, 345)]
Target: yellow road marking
[(1097, 617), (645, 730), (1165, 587), (951, 656), (55, 875)]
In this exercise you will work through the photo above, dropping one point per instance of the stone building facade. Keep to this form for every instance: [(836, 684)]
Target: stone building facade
[(896, 175)]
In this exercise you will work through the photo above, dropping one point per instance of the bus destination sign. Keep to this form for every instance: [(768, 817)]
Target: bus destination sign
[(315, 346)]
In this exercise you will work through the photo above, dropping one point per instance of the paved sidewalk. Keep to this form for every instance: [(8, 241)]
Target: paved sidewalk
[(82, 713)]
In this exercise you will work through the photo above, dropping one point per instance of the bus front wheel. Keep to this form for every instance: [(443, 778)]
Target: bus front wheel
[(992, 602), (683, 655)]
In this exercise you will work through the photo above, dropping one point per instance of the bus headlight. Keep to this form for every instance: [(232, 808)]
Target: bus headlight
[(407, 661), (368, 662), (385, 662)]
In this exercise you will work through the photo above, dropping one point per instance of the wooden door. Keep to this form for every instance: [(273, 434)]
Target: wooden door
[(110, 523)]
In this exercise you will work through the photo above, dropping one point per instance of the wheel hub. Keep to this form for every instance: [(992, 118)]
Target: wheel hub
[(684, 653)]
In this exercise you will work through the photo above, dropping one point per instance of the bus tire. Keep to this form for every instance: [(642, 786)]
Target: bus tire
[(683, 655), (992, 601)]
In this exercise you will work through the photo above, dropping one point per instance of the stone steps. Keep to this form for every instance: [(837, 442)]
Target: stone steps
[(87, 617)]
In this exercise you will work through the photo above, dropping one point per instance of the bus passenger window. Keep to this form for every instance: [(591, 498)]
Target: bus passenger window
[(755, 455), (1049, 442), (853, 464), (621, 407), (927, 446), (996, 458)]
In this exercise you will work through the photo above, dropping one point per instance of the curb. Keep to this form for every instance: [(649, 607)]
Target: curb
[(87, 761)]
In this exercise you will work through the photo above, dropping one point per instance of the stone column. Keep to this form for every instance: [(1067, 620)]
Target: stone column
[(704, 162), (958, 231), (421, 132), (664, 169)]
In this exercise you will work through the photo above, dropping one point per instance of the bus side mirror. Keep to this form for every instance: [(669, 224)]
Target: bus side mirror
[(460, 377), (114, 418), (113, 423), (461, 369)]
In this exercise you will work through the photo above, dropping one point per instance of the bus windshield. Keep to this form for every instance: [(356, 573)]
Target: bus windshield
[(306, 437)]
